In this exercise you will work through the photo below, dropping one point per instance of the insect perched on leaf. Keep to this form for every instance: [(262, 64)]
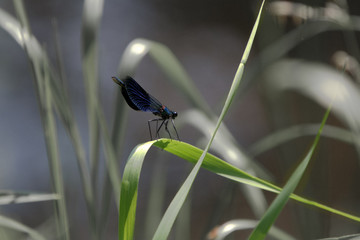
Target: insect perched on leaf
[(138, 99)]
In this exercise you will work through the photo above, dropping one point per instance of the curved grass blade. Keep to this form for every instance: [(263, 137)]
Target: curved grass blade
[(15, 225), (129, 186), (131, 176), (278, 204)]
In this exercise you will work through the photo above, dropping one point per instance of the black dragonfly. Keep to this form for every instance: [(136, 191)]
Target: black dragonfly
[(138, 99)]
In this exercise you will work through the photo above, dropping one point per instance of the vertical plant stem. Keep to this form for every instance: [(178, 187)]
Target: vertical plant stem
[(54, 161), (91, 19)]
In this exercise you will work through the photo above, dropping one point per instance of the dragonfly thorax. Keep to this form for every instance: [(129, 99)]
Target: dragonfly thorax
[(166, 113)]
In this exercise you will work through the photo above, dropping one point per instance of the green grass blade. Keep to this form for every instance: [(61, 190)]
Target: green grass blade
[(131, 176), (278, 204), (171, 213), (12, 224)]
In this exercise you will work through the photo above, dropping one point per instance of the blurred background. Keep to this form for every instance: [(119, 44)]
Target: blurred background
[(314, 41)]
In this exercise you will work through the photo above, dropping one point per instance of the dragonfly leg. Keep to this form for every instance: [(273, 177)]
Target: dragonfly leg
[(150, 129), (166, 128), (177, 135), (157, 131)]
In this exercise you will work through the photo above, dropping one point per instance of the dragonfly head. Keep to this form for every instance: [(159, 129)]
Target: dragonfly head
[(174, 115)]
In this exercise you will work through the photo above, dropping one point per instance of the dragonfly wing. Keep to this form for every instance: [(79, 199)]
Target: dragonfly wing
[(155, 105), (128, 99), (140, 98)]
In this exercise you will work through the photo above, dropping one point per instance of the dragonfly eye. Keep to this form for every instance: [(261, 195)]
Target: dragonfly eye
[(174, 115)]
